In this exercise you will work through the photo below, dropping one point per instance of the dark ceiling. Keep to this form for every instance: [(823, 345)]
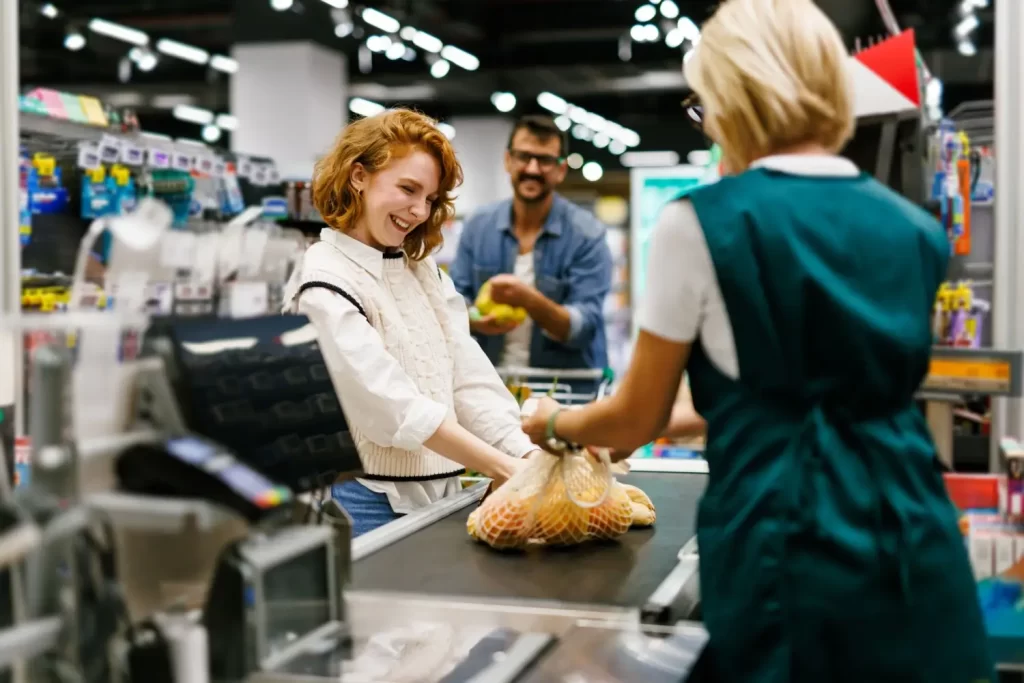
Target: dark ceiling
[(569, 47)]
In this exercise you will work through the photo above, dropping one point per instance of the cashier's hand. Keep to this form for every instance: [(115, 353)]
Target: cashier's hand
[(489, 325), (536, 423)]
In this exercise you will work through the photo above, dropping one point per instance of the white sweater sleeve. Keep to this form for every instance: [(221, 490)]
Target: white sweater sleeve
[(378, 397), (483, 404)]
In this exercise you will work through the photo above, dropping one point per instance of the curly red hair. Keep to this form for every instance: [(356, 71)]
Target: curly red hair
[(373, 142)]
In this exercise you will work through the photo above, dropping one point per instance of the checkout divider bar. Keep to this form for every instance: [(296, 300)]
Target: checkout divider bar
[(381, 538)]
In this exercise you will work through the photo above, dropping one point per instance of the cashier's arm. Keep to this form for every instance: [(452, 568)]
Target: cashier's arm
[(639, 410)]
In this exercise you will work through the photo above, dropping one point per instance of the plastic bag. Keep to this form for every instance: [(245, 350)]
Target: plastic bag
[(555, 500)]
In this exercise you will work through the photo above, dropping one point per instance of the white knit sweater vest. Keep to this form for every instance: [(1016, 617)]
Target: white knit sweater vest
[(408, 309)]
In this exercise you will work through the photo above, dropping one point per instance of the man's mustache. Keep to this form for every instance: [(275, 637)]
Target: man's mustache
[(538, 179)]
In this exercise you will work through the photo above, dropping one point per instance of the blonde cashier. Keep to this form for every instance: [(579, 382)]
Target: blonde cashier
[(421, 399), (797, 293)]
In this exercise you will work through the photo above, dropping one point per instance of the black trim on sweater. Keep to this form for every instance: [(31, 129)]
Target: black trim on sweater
[(428, 477), (337, 290)]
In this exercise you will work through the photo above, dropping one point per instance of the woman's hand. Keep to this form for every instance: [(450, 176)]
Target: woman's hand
[(507, 470), (535, 425)]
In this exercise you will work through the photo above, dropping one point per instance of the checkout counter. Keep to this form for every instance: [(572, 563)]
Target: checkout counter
[(236, 426)]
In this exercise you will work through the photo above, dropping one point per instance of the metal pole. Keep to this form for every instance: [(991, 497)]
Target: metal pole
[(1008, 285), (11, 376)]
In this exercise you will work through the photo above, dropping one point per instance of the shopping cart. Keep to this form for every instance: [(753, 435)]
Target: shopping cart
[(561, 385)]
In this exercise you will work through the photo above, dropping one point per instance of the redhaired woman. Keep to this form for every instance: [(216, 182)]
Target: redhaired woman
[(421, 398)]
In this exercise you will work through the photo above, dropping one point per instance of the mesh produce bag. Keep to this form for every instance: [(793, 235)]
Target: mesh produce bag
[(554, 500)]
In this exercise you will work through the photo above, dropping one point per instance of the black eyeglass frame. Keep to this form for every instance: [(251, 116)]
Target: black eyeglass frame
[(543, 160)]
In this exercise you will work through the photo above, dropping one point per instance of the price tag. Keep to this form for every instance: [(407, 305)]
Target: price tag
[(131, 154), (204, 164), (88, 156), (182, 161), (158, 158), (273, 176), (109, 149), (259, 174), (989, 375), (245, 167), (248, 299), (220, 167)]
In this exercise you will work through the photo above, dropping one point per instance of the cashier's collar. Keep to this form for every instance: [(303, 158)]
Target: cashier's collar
[(809, 165), (370, 259)]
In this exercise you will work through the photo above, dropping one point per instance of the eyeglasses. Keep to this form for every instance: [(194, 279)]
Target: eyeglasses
[(545, 161), (694, 111)]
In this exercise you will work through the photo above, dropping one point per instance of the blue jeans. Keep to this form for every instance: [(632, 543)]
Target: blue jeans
[(367, 509)]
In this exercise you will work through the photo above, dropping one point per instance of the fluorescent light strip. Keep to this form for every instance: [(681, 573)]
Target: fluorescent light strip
[(186, 112), (225, 64), (336, 4), (227, 122), (384, 22), (119, 32), (650, 159), (598, 124), (362, 107), (182, 51), (425, 41), (460, 58)]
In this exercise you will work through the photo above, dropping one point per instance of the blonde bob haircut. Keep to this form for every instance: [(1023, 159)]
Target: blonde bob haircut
[(374, 142), (771, 75)]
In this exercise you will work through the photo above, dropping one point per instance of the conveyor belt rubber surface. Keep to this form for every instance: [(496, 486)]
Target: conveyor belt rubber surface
[(442, 560)]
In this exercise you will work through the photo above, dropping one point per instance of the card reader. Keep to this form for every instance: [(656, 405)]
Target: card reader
[(193, 467)]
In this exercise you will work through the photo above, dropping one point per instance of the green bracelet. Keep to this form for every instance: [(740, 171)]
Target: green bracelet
[(555, 443)]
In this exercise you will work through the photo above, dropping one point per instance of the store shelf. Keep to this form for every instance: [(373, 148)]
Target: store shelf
[(64, 128)]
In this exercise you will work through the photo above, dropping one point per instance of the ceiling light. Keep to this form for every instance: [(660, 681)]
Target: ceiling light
[(674, 38), (225, 64), (336, 4), (601, 140), (645, 13), (637, 33), (211, 134), (119, 32), (447, 129), (592, 171), (49, 11), (699, 157), (553, 103), (227, 121), (690, 30), (143, 58), (669, 9), (395, 50), (564, 123), (616, 147), (503, 101), (182, 51), (74, 41), (344, 29), (281, 5), (378, 43), (357, 105), (185, 112), (581, 132), (409, 55), (407, 33), (651, 33), (440, 68), (650, 159), (460, 58), (384, 22), (575, 160), (425, 41), (966, 25), (967, 48)]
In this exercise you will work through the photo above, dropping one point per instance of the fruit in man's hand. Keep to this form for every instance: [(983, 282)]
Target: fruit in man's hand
[(503, 313)]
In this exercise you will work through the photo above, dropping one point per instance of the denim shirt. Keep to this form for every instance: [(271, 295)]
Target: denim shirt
[(572, 266)]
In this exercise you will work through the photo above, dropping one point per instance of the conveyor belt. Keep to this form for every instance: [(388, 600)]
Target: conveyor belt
[(442, 559)]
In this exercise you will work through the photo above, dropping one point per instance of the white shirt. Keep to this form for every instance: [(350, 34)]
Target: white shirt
[(683, 299), (376, 393), (517, 342)]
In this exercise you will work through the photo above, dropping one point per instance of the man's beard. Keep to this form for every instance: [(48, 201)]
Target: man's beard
[(545, 190)]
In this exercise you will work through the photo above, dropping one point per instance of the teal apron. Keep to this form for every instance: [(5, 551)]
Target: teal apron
[(829, 549)]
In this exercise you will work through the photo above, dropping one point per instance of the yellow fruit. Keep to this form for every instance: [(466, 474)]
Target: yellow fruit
[(560, 521), (504, 522), (643, 516), (472, 523), (613, 517), (638, 496), (503, 313)]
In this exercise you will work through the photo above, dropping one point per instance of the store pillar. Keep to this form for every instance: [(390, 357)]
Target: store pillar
[(1008, 277), (480, 143), (291, 101)]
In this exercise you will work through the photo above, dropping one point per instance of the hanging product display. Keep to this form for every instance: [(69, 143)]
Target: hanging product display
[(959, 316)]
